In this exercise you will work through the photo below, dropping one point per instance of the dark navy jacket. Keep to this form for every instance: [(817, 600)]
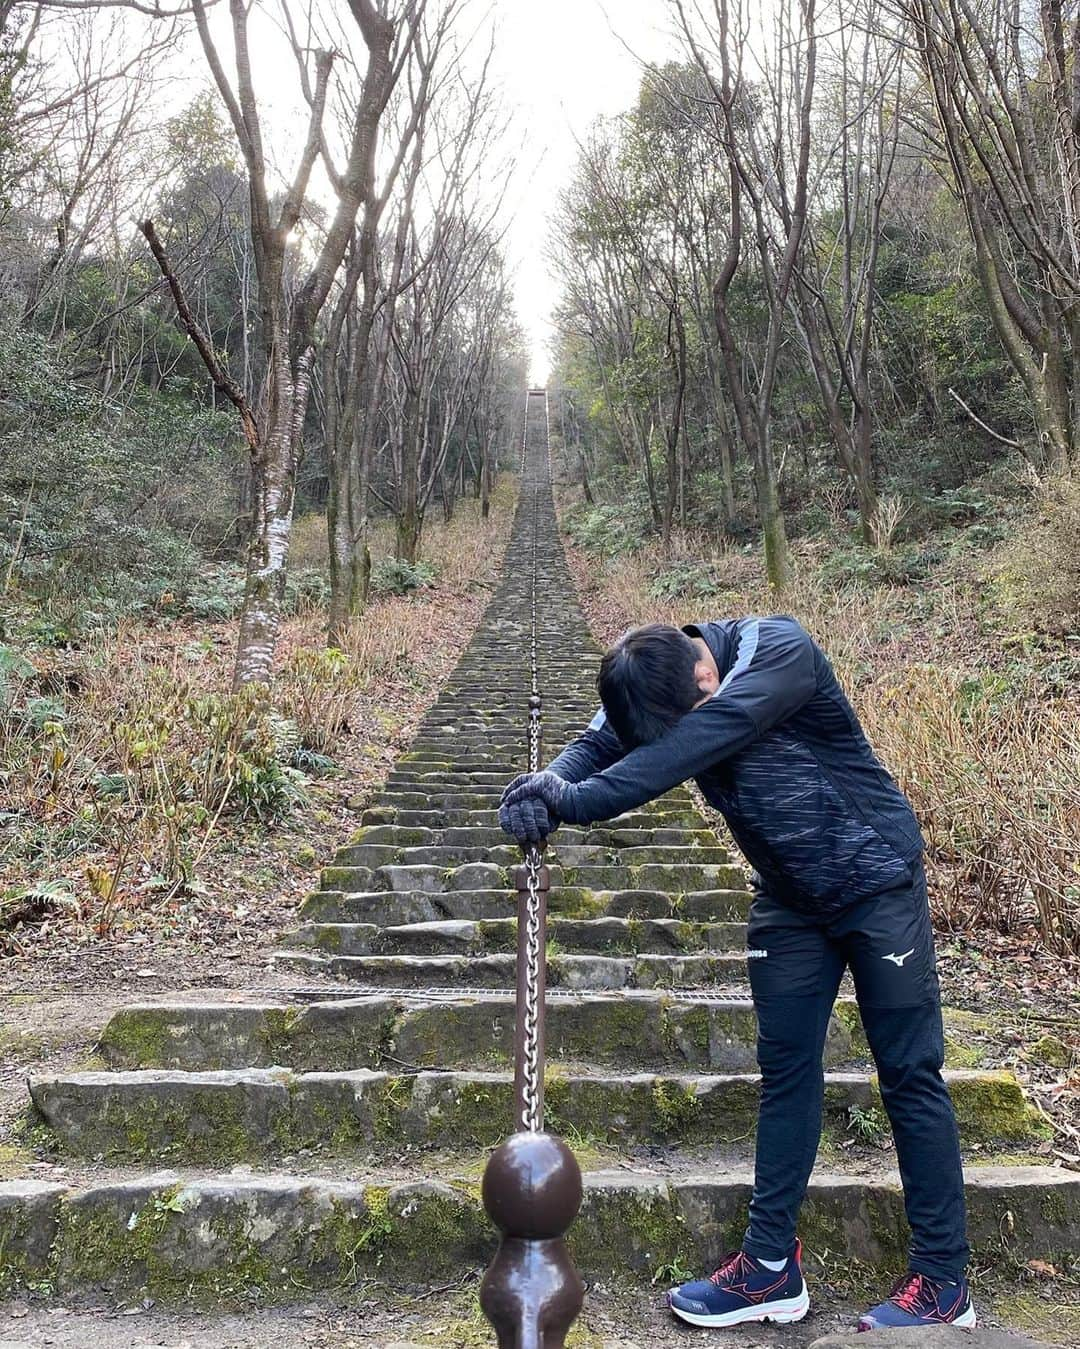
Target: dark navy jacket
[(778, 750)]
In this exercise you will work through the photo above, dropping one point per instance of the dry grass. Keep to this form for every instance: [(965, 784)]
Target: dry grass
[(1037, 580), (135, 786), (989, 755)]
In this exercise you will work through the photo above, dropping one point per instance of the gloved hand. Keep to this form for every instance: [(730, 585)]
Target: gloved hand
[(528, 820), (530, 806)]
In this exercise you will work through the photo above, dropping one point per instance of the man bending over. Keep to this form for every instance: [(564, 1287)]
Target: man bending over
[(751, 710)]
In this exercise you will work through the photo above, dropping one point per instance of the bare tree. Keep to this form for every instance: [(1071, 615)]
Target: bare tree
[(1003, 78), (768, 170), (354, 361), (273, 429), (834, 297), (444, 243)]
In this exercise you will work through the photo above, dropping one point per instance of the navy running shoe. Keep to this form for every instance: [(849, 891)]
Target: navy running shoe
[(743, 1290), (917, 1300)]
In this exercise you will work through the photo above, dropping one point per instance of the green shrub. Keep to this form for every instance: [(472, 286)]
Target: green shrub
[(611, 530), (394, 576), (961, 505), (873, 566), (306, 588), (686, 580)]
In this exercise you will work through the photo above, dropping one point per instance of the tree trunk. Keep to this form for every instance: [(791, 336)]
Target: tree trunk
[(408, 516), (273, 491)]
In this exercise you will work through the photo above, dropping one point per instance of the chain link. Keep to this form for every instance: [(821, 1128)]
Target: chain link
[(532, 1108)]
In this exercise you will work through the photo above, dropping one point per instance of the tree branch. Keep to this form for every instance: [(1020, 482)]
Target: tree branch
[(223, 381)]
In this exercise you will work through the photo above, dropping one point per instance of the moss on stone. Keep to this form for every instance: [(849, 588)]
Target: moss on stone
[(390, 1102), (635, 934), (210, 1126), (326, 937), (433, 1229), (137, 1037), (847, 1013), (1053, 1208), (991, 1109), (689, 936), (962, 1030), (686, 1028), (649, 1234), (497, 935), (279, 1025), (1050, 1050), (569, 901), (676, 1107), (20, 1269)]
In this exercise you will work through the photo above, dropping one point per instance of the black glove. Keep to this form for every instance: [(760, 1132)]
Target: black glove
[(530, 806), (528, 820)]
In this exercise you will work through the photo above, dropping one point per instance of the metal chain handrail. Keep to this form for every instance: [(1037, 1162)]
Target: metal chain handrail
[(531, 1107), (532, 1183)]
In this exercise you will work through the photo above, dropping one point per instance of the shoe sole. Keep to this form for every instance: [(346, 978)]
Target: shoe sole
[(783, 1312), (965, 1321)]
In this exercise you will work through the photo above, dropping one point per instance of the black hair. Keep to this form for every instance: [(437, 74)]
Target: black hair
[(646, 682)]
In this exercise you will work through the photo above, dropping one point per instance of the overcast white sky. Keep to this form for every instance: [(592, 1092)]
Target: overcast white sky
[(563, 63), (559, 63)]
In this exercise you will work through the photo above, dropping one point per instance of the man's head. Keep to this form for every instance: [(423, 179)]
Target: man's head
[(651, 677)]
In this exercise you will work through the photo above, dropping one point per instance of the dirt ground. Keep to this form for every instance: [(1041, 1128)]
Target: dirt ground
[(615, 1322)]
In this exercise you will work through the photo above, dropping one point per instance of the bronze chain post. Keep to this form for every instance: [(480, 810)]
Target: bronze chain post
[(532, 1293)]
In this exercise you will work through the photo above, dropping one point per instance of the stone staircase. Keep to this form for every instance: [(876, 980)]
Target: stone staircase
[(263, 1147)]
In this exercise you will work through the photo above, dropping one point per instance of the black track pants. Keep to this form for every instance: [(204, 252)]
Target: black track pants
[(795, 965)]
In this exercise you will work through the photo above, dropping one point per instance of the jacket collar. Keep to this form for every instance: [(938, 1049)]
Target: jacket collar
[(720, 638)]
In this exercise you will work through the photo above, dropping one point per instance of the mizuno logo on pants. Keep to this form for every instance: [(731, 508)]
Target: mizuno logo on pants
[(898, 961)]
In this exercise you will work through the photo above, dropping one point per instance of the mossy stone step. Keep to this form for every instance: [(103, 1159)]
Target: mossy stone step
[(671, 878), (720, 969), (380, 814), (609, 936), (674, 878), (393, 908), (505, 853), (481, 778), (221, 1240), (635, 1029), (259, 1114), (489, 834), (502, 851), (449, 800)]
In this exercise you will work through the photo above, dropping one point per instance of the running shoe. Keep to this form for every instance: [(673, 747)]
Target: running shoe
[(917, 1300), (742, 1289)]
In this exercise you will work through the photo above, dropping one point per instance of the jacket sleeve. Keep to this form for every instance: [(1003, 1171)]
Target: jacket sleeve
[(597, 748), (772, 676)]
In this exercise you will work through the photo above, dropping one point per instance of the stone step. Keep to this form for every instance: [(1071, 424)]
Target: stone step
[(256, 1114), (475, 797), (481, 778), (632, 1030), (606, 936), (505, 853), (380, 814), (673, 878), (722, 969), (229, 1239), (490, 834), (394, 908)]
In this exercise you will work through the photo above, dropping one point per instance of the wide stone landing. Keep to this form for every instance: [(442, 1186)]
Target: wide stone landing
[(336, 1133), (217, 1237)]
